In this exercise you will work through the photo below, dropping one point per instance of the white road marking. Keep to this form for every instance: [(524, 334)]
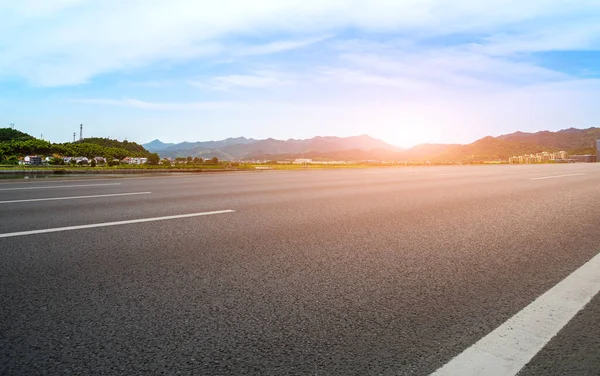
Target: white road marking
[(556, 176), (59, 186), (506, 350), (106, 224), (52, 179), (74, 197)]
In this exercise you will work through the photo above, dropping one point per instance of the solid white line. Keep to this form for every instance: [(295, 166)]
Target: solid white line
[(59, 186), (557, 176), (74, 197), (106, 224), (513, 344)]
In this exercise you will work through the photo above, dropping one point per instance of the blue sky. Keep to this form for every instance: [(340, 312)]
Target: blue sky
[(407, 72)]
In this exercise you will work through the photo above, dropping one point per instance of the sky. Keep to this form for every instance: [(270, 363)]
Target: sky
[(404, 71)]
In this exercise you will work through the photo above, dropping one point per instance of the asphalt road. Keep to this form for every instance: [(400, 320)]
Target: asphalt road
[(333, 272)]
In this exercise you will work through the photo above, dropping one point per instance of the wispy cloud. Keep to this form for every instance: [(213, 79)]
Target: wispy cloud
[(585, 35), (260, 79), (456, 68), (274, 47), (152, 83), (134, 103), (360, 77)]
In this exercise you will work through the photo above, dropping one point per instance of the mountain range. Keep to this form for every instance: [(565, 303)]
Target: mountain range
[(248, 148), (364, 147)]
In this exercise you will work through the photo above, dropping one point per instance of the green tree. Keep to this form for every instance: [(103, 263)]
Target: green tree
[(57, 161), (133, 149), (197, 160), (189, 159), (153, 159), (214, 160), (93, 164)]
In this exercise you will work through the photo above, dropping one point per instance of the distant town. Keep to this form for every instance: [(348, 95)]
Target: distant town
[(557, 157)]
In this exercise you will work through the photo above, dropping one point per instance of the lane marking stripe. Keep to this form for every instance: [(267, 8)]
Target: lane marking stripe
[(507, 349), (557, 176), (74, 197), (118, 223), (59, 186)]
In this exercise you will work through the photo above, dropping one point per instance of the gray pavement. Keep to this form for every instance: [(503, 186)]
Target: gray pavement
[(334, 272)]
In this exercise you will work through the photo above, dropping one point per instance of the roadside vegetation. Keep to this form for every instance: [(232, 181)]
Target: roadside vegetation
[(14, 145)]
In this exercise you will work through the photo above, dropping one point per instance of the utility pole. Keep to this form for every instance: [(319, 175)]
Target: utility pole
[(12, 125)]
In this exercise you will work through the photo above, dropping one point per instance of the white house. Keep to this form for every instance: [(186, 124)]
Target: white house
[(32, 160)]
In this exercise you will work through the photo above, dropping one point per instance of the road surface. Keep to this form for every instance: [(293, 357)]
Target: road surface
[(400, 271)]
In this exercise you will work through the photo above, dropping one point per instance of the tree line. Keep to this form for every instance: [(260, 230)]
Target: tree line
[(15, 144)]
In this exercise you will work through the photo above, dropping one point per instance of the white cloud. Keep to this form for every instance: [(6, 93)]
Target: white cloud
[(37, 8), (274, 47), (360, 77), (559, 36), (138, 104), (152, 83), (249, 81), (66, 42), (441, 70), (260, 79)]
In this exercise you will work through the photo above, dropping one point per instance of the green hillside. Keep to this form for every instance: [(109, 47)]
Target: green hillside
[(9, 134), (108, 143), (488, 149), (15, 145), (572, 139)]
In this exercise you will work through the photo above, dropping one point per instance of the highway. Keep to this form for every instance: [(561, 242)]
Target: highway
[(382, 271)]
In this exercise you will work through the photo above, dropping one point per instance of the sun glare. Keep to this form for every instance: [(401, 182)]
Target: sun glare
[(407, 137)]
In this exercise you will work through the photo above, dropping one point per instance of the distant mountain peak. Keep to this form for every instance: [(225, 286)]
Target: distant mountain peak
[(155, 145)]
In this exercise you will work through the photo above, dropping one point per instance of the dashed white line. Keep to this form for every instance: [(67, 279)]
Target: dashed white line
[(506, 350), (557, 176), (59, 186), (118, 223), (74, 197)]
